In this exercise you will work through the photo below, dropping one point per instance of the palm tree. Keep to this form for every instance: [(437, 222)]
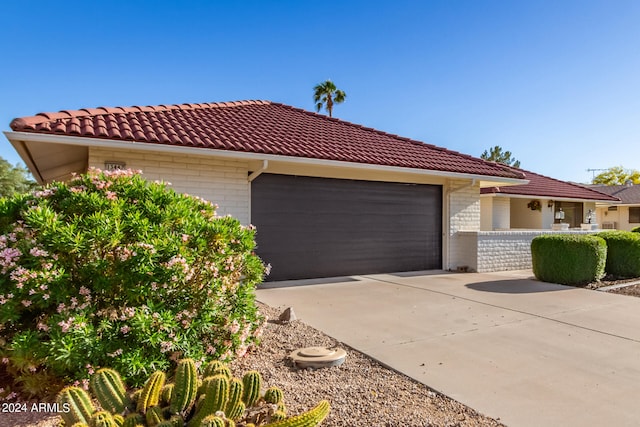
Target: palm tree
[(326, 94)]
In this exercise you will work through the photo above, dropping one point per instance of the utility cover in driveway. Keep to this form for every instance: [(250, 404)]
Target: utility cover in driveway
[(320, 227)]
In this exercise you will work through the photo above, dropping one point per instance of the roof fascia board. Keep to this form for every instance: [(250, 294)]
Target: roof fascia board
[(175, 149), (25, 155), (559, 199)]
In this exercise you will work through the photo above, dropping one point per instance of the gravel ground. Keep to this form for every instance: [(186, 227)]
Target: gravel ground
[(361, 391)]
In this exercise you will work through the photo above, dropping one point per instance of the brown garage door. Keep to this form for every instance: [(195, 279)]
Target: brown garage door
[(320, 227)]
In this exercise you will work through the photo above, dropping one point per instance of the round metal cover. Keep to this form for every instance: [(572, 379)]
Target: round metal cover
[(318, 357)]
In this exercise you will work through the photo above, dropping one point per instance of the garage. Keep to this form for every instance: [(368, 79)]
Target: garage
[(322, 227)]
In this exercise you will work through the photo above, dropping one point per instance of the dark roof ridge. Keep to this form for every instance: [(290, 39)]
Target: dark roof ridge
[(595, 192)]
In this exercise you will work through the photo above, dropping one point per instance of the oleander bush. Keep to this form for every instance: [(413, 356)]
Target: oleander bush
[(109, 269), (623, 253), (568, 259)]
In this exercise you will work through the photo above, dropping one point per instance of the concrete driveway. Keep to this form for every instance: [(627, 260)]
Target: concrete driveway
[(527, 352)]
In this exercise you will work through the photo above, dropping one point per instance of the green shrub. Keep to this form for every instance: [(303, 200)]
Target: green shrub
[(216, 400), (636, 229), (568, 259), (111, 270), (623, 253)]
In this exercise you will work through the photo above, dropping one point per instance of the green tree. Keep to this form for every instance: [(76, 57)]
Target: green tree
[(617, 175), (326, 94), (14, 179), (496, 154)]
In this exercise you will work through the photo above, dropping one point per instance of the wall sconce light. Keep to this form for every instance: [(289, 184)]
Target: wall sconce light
[(112, 165)]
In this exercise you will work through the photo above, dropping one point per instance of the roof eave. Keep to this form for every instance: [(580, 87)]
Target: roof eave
[(17, 139)]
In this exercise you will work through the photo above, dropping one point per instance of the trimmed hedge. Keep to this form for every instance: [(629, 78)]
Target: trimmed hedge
[(623, 253), (636, 229), (568, 259)]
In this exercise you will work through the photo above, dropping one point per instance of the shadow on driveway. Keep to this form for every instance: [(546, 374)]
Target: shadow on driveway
[(524, 286)]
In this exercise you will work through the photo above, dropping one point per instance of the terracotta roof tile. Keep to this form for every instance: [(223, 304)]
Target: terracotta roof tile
[(258, 127), (543, 186)]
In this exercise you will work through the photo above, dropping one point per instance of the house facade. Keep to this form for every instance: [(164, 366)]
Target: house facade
[(328, 197), (626, 214), (541, 204)]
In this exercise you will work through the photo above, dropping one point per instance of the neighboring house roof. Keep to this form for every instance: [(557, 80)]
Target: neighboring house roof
[(545, 187), (628, 194), (258, 127)]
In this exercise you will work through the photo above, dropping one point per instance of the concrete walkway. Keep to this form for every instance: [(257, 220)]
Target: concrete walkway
[(526, 352)]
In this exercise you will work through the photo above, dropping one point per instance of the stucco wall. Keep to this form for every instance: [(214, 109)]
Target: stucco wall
[(223, 182), (486, 213), (464, 211), (523, 217), (620, 217)]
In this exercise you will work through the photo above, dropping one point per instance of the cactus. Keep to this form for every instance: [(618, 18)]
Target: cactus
[(109, 390), (281, 407), (273, 395), (151, 392), (177, 421), (119, 419), (167, 393), (80, 406), (278, 416), (251, 382), (216, 367), (135, 396), (185, 388), (236, 412), (220, 401), (216, 391), (234, 408), (133, 420), (308, 419), (102, 419), (154, 416), (212, 421)]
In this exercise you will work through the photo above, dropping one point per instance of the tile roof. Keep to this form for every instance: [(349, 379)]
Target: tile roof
[(543, 186), (628, 194), (257, 127)]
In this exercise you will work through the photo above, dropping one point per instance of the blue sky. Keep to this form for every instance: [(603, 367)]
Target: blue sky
[(555, 82)]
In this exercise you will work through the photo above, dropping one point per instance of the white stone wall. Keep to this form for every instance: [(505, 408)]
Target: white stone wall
[(223, 182), (504, 250)]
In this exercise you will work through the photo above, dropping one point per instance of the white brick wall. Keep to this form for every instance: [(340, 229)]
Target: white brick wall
[(223, 182), (504, 250)]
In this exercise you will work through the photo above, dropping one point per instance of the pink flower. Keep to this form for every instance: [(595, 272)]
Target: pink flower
[(125, 329), (111, 195), (37, 252), (185, 237), (26, 303), (235, 327)]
